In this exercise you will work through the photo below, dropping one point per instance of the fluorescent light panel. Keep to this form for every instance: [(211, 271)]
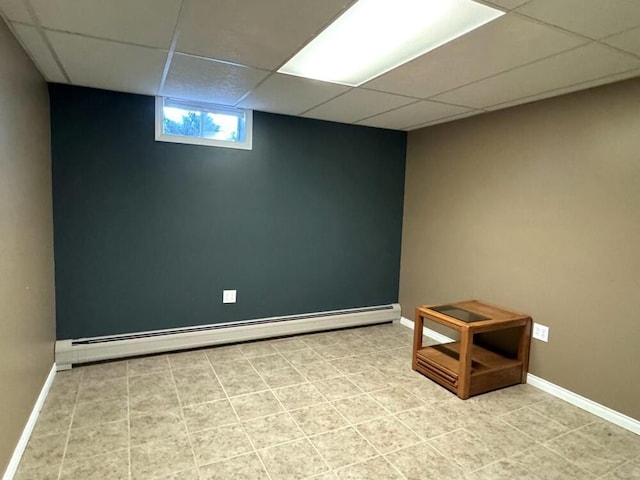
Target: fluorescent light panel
[(375, 36)]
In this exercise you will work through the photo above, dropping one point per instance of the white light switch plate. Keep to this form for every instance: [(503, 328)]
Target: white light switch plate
[(541, 332), (229, 296)]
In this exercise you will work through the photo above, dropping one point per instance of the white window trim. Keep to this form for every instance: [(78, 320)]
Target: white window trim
[(210, 142)]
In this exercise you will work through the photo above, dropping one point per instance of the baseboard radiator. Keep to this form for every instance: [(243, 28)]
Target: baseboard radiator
[(86, 350)]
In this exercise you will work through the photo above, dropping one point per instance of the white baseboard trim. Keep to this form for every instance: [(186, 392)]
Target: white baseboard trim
[(579, 401), (584, 403), (12, 468), (426, 331)]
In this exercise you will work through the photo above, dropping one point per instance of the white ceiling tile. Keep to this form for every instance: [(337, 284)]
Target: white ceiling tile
[(144, 22), (591, 18), (109, 65), (628, 41), (570, 89), (15, 10), (290, 95), (585, 63), (414, 114), (503, 44), (257, 33), (507, 4), (470, 113), (210, 81), (356, 105), (33, 42)]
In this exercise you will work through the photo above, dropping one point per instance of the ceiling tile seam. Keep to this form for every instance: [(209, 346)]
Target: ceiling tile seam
[(388, 111), (488, 3), (327, 101), (431, 97), (251, 90), (104, 39), (217, 60), (172, 49), (551, 26), (318, 32), (11, 24), (536, 95), (619, 50), (45, 39), (619, 33)]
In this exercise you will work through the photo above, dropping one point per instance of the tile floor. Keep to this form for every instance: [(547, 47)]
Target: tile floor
[(340, 405)]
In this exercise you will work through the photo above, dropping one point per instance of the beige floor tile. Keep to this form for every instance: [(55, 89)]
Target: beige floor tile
[(319, 419), (105, 438), (234, 368), (343, 447), (427, 422), (304, 356), (564, 413), (550, 466), (209, 415), (288, 345), (269, 431), (269, 363), (586, 453), (95, 390), (337, 388), (298, 396), (161, 458), (464, 449), (256, 405), (188, 359), (334, 352), (157, 425), (112, 466), (534, 424), (350, 365), (375, 469), (55, 417), (318, 371), (500, 437), (387, 434), (325, 476), (257, 349), (370, 381), (427, 391), (246, 466), (144, 365), (220, 443), (44, 452), (360, 409), (41, 473), (319, 340), (422, 462), (197, 385), (376, 359), (235, 386), (292, 461), (151, 383), (191, 474), (153, 402), (63, 390), (223, 354), (95, 413), (613, 438), (628, 471), (396, 399), (104, 371), (283, 377), (506, 469)]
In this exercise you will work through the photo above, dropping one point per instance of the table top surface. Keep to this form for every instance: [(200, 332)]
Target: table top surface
[(490, 314)]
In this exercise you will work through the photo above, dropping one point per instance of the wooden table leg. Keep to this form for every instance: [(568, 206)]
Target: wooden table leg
[(464, 375), (523, 349), (417, 337)]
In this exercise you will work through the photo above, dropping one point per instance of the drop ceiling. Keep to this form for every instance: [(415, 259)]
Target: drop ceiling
[(228, 52)]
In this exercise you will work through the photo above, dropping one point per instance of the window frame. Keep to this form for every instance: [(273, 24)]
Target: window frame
[(247, 144)]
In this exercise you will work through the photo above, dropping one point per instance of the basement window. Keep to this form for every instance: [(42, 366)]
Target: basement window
[(197, 123)]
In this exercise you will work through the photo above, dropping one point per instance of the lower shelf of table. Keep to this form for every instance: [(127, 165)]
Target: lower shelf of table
[(489, 370)]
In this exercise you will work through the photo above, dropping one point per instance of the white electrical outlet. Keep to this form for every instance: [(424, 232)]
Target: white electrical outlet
[(541, 332), (229, 296)]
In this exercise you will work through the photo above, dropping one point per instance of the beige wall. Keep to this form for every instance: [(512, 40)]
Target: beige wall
[(537, 208), (27, 328)]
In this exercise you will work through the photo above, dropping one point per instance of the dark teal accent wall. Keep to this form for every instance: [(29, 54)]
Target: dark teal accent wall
[(148, 234)]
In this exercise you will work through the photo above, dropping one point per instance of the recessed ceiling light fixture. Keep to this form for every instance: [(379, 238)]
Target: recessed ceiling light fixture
[(375, 36)]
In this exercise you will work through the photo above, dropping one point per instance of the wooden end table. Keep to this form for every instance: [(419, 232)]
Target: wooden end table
[(463, 367)]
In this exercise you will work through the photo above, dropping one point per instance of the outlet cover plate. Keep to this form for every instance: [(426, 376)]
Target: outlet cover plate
[(229, 296), (540, 332)]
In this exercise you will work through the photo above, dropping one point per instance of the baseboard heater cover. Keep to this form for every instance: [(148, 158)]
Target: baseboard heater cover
[(93, 349)]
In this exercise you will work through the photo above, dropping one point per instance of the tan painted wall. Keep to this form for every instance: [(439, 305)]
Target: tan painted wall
[(27, 317), (537, 208)]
